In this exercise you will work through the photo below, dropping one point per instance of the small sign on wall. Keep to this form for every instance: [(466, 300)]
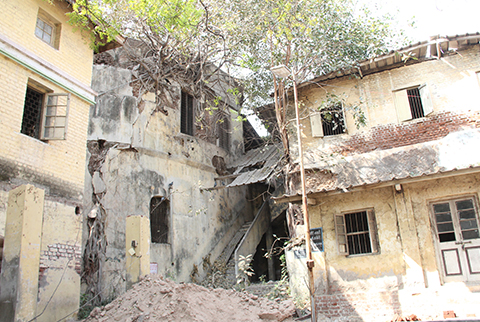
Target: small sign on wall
[(153, 268), (316, 237)]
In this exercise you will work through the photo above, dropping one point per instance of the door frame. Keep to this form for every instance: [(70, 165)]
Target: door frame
[(436, 241)]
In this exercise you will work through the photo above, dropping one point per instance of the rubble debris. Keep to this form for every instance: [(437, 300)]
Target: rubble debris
[(411, 317), (157, 299)]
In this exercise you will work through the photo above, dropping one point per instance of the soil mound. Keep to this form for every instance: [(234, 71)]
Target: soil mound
[(159, 299)]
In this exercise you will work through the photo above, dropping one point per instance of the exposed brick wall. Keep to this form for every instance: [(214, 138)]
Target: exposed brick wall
[(375, 306), (56, 252), (389, 136)]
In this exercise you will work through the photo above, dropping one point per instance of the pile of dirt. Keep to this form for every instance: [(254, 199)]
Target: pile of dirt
[(159, 299)]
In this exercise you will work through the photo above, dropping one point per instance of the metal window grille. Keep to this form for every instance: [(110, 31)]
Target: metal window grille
[(32, 113), (187, 114), (333, 122), (358, 235), (415, 102), (159, 220)]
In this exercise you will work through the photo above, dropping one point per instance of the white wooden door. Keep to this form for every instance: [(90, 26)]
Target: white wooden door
[(458, 239)]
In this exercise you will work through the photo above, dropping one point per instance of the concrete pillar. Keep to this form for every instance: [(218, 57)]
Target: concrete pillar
[(137, 245), (414, 277), (21, 254)]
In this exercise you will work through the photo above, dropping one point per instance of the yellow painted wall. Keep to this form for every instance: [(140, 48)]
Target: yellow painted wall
[(61, 159), (74, 55), (452, 82)]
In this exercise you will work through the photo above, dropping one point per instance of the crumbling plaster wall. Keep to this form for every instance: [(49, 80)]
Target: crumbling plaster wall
[(137, 152), (406, 270), (453, 84)]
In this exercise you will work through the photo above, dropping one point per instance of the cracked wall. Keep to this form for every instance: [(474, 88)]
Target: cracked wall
[(136, 153)]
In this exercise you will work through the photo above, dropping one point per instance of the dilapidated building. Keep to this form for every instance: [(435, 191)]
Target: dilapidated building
[(167, 176), (393, 204)]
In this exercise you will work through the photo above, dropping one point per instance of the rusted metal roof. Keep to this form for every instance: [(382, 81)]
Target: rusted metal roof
[(263, 161), (434, 48), (327, 173)]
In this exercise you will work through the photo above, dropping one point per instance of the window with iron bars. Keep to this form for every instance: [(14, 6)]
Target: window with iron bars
[(187, 113), (357, 233), (45, 114), (159, 220), (328, 122), (413, 103)]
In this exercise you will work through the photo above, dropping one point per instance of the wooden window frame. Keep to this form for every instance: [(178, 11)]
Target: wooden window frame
[(47, 19), (403, 106), (317, 124), (53, 123), (342, 235)]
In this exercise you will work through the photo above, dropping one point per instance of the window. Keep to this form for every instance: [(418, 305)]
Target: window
[(329, 121), (47, 29), (159, 220), (357, 233), (45, 114), (187, 114), (223, 131), (413, 103), (456, 220)]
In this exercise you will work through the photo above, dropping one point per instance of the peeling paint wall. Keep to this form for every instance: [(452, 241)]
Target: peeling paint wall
[(407, 275), (136, 153)]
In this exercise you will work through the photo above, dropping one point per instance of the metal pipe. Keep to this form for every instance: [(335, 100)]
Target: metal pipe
[(310, 262)]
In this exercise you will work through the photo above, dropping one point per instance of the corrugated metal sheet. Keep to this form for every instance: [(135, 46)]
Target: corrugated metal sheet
[(265, 158), (456, 151), (437, 46)]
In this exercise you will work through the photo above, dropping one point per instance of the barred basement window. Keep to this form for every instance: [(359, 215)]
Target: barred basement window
[(223, 131), (159, 220), (357, 233), (45, 115), (413, 103), (329, 121), (187, 114)]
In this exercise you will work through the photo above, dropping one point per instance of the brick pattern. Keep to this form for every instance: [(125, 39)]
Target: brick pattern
[(62, 159), (56, 252), (375, 306), (74, 55), (389, 136)]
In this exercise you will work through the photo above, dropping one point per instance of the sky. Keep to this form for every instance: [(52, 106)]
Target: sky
[(431, 17), (428, 18)]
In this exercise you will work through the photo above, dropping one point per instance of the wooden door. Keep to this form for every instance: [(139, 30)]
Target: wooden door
[(458, 239)]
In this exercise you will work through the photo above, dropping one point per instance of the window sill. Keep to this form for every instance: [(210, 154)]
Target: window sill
[(32, 138), (361, 255)]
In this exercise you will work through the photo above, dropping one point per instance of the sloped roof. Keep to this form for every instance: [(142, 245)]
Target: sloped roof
[(434, 48), (456, 151), (263, 160)]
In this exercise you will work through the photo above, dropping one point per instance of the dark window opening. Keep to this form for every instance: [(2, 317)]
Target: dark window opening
[(159, 220), (187, 114), (32, 113), (333, 122), (415, 101), (223, 132), (358, 236)]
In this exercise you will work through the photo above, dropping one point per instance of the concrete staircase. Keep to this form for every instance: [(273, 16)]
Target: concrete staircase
[(226, 255)]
